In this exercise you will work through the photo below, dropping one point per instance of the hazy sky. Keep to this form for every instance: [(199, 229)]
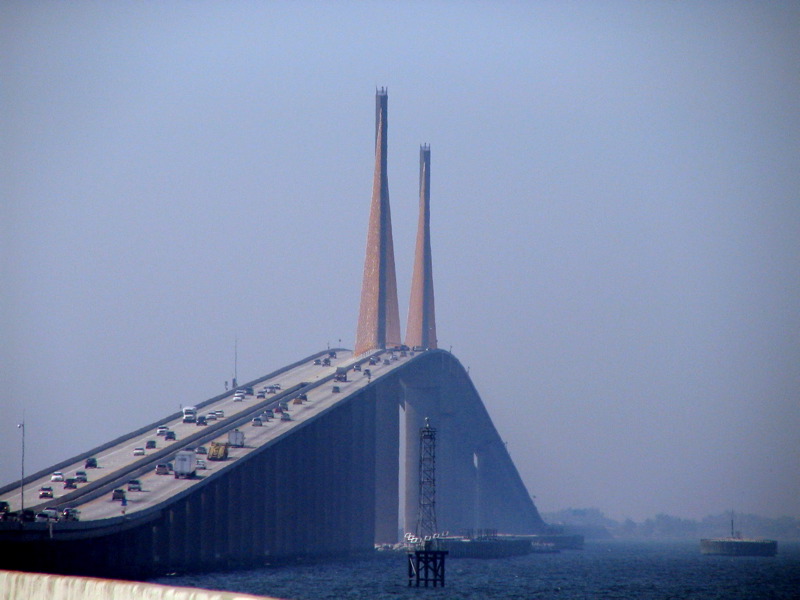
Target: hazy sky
[(615, 216)]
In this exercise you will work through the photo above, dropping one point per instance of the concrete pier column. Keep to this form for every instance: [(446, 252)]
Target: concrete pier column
[(419, 403), (386, 400)]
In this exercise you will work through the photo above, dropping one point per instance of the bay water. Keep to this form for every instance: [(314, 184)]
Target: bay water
[(608, 569)]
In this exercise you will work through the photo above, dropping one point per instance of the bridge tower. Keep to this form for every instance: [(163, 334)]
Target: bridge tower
[(379, 316), (421, 329)]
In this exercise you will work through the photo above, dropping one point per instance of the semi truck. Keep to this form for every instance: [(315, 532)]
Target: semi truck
[(185, 464)]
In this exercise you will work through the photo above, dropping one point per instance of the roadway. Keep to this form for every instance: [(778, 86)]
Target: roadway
[(117, 464)]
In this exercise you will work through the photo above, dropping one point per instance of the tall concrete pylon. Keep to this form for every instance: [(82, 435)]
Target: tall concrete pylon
[(421, 329), (379, 316)]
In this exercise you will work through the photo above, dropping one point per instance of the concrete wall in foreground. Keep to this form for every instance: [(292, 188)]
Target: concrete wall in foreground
[(34, 586)]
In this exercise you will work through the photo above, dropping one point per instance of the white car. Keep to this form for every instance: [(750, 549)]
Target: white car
[(57, 476), (220, 414), (47, 514), (138, 451), (211, 417), (201, 464)]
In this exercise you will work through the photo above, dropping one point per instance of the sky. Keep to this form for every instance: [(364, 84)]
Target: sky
[(615, 209)]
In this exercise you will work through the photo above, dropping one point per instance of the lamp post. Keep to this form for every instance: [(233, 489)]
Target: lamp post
[(22, 479)]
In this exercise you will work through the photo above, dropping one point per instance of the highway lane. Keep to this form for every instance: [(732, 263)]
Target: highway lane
[(115, 461)]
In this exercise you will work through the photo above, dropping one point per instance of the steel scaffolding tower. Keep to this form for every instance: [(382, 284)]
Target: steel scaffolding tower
[(426, 522)]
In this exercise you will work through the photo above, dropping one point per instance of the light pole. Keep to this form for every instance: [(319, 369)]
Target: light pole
[(22, 479)]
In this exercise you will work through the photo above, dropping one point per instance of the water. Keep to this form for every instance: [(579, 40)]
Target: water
[(609, 570)]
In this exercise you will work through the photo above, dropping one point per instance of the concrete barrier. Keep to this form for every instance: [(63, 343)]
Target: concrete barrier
[(15, 585)]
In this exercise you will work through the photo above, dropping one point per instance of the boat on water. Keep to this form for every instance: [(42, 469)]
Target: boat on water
[(736, 545)]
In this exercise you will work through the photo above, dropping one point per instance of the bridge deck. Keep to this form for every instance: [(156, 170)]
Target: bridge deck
[(117, 464)]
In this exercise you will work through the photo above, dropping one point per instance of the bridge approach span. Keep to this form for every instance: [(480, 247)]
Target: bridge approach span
[(325, 482)]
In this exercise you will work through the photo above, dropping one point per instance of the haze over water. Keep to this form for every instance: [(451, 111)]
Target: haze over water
[(614, 222)]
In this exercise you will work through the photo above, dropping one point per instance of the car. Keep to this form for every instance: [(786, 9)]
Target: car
[(70, 514), (71, 484), (297, 400), (335, 389), (162, 469), (81, 477), (357, 367), (286, 416), (118, 494), (272, 390), (91, 463), (170, 436), (386, 361), (134, 485), (47, 515), (277, 386), (248, 390), (326, 362), (317, 361), (150, 444), (373, 360), (58, 476), (138, 451), (367, 373), (257, 422), (201, 450), (162, 430), (303, 396), (45, 492), (201, 464), (268, 413), (220, 414), (201, 420), (211, 417), (261, 394)]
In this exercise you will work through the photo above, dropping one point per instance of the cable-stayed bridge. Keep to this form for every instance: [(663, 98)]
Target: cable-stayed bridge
[(330, 458)]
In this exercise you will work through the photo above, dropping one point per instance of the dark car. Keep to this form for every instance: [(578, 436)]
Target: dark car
[(335, 389), (201, 420), (70, 514), (46, 492), (81, 477), (150, 444), (91, 463), (134, 485), (170, 435), (70, 484), (118, 494)]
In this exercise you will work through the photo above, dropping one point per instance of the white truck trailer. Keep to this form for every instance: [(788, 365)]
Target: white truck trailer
[(236, 438), (185, 464)]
